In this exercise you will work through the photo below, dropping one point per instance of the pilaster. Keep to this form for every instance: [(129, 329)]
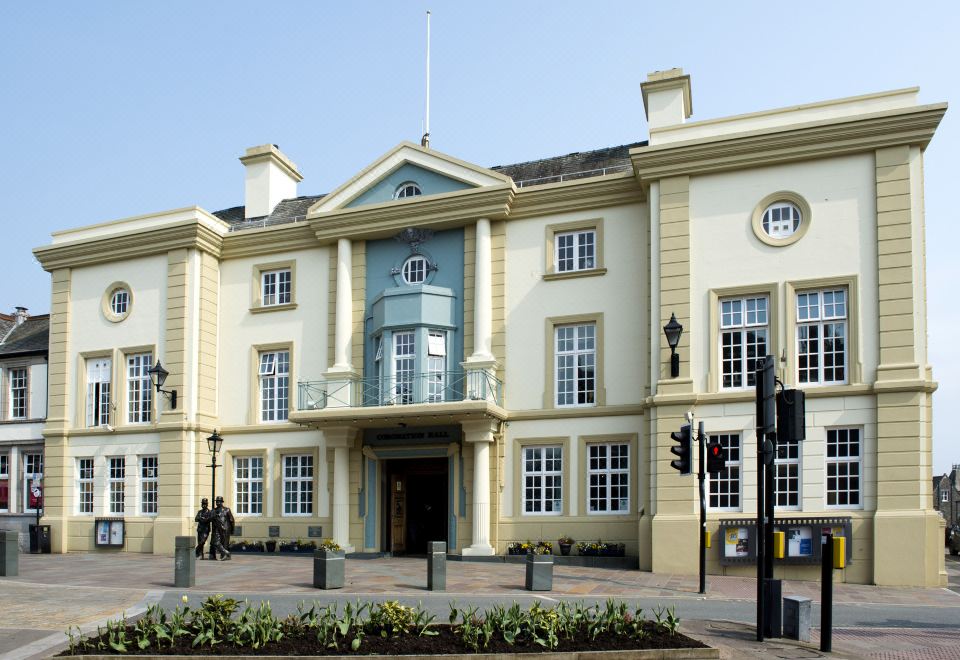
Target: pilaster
[(340, 441), (674, 285), (481, 435)]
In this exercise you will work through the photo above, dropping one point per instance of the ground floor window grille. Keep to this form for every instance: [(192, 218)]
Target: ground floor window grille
[(725, 485), (116, 479), (843, 467), (609, 475), (297, 485), (543, 480), (85, 485), (248, 485)]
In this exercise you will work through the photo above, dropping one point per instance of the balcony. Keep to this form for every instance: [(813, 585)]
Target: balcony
[(460, 394)]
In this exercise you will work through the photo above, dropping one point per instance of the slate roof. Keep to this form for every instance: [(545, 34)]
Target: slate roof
[(577, 165), (32, 337)]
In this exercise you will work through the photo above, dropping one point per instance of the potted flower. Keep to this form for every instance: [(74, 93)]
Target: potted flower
[(271, 545), (519, 548), (565, 542), (539, 568), (329, 562)]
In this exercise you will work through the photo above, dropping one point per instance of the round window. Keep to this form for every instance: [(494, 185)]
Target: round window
[(781, 220), (415, 269), (408, 189), (116, 302), (119, 302)]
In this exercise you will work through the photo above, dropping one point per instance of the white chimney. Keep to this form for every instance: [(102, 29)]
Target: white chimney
[(21, 315), (270, 178), (666, 98)]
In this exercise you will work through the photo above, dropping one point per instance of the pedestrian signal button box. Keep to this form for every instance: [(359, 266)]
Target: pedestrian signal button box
[(839, 552), (779, 544)]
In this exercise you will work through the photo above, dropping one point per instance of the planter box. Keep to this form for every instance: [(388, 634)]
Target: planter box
[(241, 549), (539, 573), (328, 569), (296, 550)]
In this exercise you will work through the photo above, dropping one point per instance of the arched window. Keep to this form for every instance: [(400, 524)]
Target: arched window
[(407, 189), (415, 269)]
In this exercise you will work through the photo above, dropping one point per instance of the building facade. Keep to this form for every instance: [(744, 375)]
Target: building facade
[(23, 408), (946, 496), (438, 350)]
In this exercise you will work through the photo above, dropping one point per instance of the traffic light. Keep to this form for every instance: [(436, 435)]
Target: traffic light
[(683, 450), (791, 408), (716, 457)]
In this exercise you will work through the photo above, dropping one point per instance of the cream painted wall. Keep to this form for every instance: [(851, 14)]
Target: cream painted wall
[(38, 391), (619, 295), (28, 431), (100, 446), (240, 330), (841, 241)]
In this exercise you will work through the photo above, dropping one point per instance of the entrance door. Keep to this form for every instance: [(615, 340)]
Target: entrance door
[(417, 504)]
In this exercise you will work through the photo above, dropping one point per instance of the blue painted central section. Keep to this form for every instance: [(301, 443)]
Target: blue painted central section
[(430, 182)]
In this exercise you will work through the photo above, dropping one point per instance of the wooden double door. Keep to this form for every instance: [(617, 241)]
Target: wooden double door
[(415, 500)]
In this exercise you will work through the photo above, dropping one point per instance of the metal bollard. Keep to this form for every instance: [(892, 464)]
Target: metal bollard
[(9, 553), (437, 566), (185, 562), (773, 617)]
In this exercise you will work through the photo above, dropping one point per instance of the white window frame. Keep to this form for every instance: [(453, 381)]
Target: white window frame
[(32, 466), (116, 485), (98, 391), (571, 358), (298, 472), (404, 366), (436, 365), (415, 265), (407, 189), (838, 439), (784, 225), (944, 495), (274, 377), (149, 485), (85, 479), (276, 287), (814, 316), (575, 250), (18, 379), (542, 476), (119, 302), (603, 469), (741, 317), (248, 485), (728, 483), (787, 472), (139, 388), (5, 476)]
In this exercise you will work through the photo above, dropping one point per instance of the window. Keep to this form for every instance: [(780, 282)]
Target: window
[(575, 365), (843, 468), (786, 467), (575, 251), (84, 485), (139, 389), (98, 391), (274, 375), (404, 365), (297, 485), (543, 480), (743, 339), (415, 269), (248, 485), (609, 478), (725, 486), (821, 336), (32, 474), (407, 189), (276, 287), (4, 482), (436, 365), (116, 482), (18, 393), (119, 302), (781, 220), (944, 495), (149, 471)]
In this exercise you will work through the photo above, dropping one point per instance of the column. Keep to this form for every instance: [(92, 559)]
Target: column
[(13, 472), (344, 308), (480, 435), (483, 295), (340, 440)]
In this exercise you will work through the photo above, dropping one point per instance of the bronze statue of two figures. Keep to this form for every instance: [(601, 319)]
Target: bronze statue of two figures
[(219, 520)]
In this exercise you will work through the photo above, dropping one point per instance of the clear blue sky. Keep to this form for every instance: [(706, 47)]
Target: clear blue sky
[(113, 109)]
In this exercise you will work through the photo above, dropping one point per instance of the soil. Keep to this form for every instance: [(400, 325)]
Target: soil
[(444, 642)]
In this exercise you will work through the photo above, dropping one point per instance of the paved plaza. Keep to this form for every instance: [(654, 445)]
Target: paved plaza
[(54, 592)]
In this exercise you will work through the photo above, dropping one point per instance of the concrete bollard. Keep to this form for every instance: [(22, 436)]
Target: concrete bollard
[(437, 566), (796, 618), (9, 553), (185, 562)]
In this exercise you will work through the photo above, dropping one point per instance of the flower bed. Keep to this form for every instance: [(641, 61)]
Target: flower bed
[(601, 549), (541, 547), (222, 626), (247, 546), (298, 546)]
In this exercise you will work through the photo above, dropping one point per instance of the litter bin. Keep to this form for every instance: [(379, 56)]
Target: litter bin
[(40, 539)]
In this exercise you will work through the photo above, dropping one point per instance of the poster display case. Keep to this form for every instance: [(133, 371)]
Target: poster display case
[(803, 539), (109, 532)]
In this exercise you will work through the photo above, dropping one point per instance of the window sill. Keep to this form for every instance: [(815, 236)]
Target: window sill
[(273, 308), (592, 272)]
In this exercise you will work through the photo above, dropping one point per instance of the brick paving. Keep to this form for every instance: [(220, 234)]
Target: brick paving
[(54, 592)]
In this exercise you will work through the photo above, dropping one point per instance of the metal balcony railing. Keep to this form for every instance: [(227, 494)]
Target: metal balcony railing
[(436, 387)]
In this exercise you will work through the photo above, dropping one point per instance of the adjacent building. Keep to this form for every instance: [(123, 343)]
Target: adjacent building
[(23, 408), (946, 496), (437, 350)]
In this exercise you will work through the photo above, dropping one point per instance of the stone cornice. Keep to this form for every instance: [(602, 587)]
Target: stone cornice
[(436, 211), (382, 416), (576, 195), (268, 240), (823, 139), (129, 245)]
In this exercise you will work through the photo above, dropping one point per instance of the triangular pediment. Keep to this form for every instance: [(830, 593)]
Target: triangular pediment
[(435, 173)]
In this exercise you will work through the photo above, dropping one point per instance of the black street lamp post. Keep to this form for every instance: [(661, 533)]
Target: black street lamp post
[(213, 444)]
